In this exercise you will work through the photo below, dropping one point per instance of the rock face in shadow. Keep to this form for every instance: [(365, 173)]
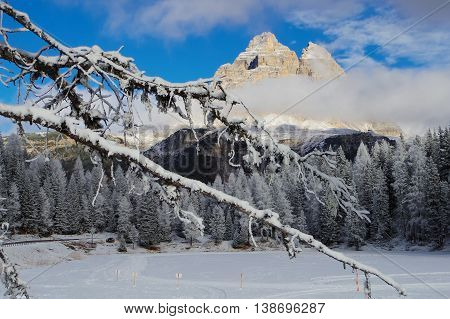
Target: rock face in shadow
[(349, 143), (203, 160)]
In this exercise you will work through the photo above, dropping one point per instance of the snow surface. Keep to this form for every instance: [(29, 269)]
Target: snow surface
[(267, 274)]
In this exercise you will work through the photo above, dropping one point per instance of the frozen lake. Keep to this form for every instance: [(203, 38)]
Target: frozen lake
[(217, 275)]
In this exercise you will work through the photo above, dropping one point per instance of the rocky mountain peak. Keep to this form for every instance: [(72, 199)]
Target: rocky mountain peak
[(318, 63), (265, 57), (265, 39)]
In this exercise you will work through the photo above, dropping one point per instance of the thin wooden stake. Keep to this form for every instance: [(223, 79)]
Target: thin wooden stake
[(357, 280), (242, 281), (134, 277)]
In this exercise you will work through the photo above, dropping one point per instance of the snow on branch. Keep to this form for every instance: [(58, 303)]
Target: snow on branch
[(74, 129), (83, 92), (52, 78), (15, 288)]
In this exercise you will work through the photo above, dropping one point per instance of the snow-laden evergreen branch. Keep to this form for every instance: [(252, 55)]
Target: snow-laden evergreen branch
[(76, 130), (15, 288)]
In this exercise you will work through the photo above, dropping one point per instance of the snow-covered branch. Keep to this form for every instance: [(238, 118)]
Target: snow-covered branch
[(74, 129), (82, 92), (114, 82), (15, 288)]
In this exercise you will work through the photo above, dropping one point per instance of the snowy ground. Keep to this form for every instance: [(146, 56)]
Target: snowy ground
[(266, 274)]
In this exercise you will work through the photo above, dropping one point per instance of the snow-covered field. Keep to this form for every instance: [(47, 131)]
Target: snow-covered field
[(266, 274)]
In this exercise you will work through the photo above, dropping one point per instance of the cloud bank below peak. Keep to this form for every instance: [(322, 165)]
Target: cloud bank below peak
[(414, 99)]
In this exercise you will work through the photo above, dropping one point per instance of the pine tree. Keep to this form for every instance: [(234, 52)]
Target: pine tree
[(260, 191), (55, 185), (78, 174), (281, 204), (74, 205), (400, 186), (134, 234), (14, 160), (343, 166), (416, 227), (12, 204), (443, 220), (327, 227), (2, 151), (46, 223), (228, 234), (241, 190), (85, 215), (355, 230), (149, 228), (362, 174), (123, 222), (432, 186), (380, 218), (30, 204), (164, 221), (217, 224)]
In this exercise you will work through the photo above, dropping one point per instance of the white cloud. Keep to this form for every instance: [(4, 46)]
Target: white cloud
[(352, 25), (177, 19), (354, 36), (414, 99)]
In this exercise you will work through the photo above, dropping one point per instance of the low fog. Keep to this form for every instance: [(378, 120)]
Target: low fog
[(413, 99)]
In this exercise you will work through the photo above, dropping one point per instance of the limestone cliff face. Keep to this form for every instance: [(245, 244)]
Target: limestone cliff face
[(318, 63), (265, 57)]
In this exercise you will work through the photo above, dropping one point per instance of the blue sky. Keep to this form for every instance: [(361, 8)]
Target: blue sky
[(183, 40), (167, 40)]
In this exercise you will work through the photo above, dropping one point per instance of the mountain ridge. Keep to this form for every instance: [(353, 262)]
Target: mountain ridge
[(265, 57)]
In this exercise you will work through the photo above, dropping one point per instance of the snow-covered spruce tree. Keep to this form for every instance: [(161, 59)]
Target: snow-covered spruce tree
[(123, 221), (435, 221), (228, 234), (164, 221), (12, 202), (327, 226), (73, 205), (280, 201), (55, 185), (443, 220), (217, 224), (45, 220), (149, 227), (380, 207), (354, 231), (363, 175), (241, 190), (89, 91), (295, 193), (400, 186), (134, 234), (416, 230)]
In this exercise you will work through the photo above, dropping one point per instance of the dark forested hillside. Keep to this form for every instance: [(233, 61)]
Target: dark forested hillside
[(404, 186)]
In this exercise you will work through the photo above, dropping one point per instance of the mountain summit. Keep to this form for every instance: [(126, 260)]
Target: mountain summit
[(265, 57), (318, 63)]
